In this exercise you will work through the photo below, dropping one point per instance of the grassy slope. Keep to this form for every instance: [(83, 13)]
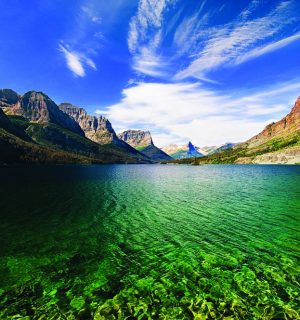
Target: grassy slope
[(179, 154), (50, 143), (14, 150), (54, 136), (242, 150), (154, 153)]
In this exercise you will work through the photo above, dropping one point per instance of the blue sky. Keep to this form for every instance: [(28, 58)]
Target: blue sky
[(207, 71)]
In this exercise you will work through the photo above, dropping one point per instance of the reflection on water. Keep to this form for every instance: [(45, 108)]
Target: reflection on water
[(150, 242)]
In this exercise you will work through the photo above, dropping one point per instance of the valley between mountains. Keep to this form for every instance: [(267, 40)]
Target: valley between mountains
[(34, 129)]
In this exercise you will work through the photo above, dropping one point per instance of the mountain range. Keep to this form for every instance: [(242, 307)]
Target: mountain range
[(189, 150), (182, 151), (34, 129), (278, 143)]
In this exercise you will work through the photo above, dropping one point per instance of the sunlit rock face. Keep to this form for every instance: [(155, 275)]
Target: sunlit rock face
[(285, 126), (97, 129), (142, 141), (36, 107), (137, 138)]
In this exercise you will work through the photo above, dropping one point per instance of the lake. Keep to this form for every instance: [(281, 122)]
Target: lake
[(150, 242)]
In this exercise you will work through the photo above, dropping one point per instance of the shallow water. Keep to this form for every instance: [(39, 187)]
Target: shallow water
[(150, 242)]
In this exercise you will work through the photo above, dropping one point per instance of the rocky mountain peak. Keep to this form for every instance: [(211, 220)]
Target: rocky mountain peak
[(191, 147), (77, 113), (97, 129), (142, 141), (136, 138), (38, 107), (8, 97), (286, 125), (296, 109)]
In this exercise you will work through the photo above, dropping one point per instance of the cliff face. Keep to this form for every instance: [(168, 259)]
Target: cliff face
[(142, 141), (136, 138), (34, 130), (97, 129), (285, 126), (37, 107)]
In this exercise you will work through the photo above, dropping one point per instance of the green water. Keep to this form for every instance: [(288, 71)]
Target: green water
[(150, 242)]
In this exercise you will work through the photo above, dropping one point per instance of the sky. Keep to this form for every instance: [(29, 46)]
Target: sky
[(206, 71)]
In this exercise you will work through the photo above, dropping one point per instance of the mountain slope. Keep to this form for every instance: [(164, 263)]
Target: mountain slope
[(9, 127), (98, 129), (208, 150), (278, 143), (38, 107), (142, 141), (14, 150), (8, 98), (37, 127), (16, 147)]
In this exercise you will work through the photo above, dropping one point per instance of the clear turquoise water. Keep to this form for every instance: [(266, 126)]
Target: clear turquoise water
[(150, 242)]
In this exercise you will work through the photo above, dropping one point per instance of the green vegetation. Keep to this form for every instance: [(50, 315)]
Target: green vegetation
[(19, 121), (153, 153), (16, 151), (22, 141), (244, 151)]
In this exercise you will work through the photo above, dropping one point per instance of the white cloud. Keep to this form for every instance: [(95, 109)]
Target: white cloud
[(203, 45), (226, 44), (73, 61), (145, 36), (149, 15), (267, 48), (253, 5), (179, 112), (76, 62), (149, 64)]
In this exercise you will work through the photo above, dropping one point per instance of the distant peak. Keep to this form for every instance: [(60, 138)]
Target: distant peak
[(33, 92), (136, 138)]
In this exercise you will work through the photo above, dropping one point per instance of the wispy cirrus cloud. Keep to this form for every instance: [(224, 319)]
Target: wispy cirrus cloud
[(267, 48), (203, 45), (236, 42), (178, 112), (82, 42), (76, 62), (145, 36)]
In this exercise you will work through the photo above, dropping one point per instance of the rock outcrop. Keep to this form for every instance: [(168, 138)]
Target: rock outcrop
[(138, 139), (34, 130), (142, 141), (290, 123), (97, 129), (37, 107)]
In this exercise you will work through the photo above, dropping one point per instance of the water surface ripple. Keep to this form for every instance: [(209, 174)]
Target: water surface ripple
[(150, 242)]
